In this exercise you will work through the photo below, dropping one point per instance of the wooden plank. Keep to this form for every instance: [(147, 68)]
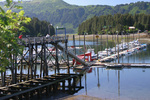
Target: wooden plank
[(35, 88)]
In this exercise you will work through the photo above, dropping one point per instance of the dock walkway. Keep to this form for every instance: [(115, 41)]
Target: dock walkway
[(47, 85), (121, 53)]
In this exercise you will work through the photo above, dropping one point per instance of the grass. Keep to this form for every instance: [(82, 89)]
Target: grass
[(104, 37)]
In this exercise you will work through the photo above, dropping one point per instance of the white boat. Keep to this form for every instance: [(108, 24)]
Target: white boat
[(92, 53)]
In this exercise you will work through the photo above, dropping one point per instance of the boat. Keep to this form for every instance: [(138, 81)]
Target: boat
[(114, 66), (93, 55)]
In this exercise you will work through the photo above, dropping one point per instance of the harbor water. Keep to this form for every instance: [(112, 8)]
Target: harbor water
[(125, 84)]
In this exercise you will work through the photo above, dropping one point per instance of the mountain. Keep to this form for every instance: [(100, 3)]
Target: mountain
[(62, 14)]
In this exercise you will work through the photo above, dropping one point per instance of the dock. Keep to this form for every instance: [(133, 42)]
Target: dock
[(46, 85)]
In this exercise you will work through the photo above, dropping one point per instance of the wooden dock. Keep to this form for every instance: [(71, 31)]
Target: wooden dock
[(118, 55), (46, 85), (124, 65)]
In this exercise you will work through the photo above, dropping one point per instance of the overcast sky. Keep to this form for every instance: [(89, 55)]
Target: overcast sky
[(101, 2)]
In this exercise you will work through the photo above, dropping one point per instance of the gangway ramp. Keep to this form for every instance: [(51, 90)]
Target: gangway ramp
[(72, 55)]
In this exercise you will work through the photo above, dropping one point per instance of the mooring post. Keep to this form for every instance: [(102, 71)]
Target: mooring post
[(45, 61), (122, 40), (41, 67), (21, 70), (79, 42), (66, 47), (74, 44), (31, 61), (97, 36), (43, 57), (31, 58), (115, 45), (93, 39), (74, 84), (101, 41), (139, 34), (133, 35), (36, 55), (28, 72), (107, 44), (84, 46), (80, 81), (118, 47), (57, 64)]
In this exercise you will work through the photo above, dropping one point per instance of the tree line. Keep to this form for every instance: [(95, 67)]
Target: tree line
[(116, 22), (37, 27)]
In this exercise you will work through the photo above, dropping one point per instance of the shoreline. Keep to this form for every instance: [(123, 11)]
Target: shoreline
[(142, 36)]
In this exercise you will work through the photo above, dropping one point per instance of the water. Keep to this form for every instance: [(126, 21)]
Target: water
[(128, 84)]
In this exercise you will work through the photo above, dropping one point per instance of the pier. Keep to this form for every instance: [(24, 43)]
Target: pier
[(20, 85), (39, 86), (23, 86)]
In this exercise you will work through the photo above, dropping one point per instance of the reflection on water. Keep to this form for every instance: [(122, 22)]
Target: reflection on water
[(117, 84)]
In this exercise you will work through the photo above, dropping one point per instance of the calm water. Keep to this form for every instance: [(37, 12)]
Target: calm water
[(128, 84)]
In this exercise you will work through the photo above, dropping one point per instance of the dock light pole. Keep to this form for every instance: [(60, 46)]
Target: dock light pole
[(118, 45)]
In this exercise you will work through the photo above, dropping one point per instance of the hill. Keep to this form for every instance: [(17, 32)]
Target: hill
[(61, 14)]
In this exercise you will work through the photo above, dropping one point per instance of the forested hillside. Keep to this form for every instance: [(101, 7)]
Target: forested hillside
[(61, 14), (113, 23), (38, 28)]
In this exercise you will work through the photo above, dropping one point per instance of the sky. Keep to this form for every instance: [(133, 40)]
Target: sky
[(101, 2)]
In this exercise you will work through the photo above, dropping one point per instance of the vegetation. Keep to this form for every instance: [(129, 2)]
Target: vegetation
[(10, 27), (113, 23), (38, 28), (61, 14)]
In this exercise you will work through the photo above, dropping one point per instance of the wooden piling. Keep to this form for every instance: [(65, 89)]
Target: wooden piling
[(97, 36), (74, 44), (36, 56), (57, 64), (84, 46), (21, 71), (118, 47), (79, 42)]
